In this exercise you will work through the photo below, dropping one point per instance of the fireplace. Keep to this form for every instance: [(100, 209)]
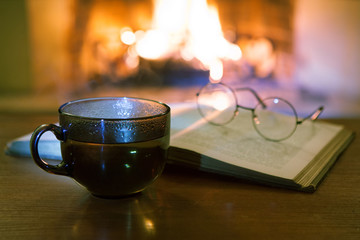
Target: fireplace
[(88, 44)]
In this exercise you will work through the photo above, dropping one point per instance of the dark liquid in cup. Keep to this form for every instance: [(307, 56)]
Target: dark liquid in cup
[(112, 170)]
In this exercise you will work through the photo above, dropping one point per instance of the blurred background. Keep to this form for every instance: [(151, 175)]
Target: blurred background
[(53, 51)]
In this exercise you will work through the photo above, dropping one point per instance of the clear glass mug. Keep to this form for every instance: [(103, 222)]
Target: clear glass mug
[(112, 146)]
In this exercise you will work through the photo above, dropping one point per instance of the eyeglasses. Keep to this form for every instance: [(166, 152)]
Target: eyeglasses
[(274, 118)]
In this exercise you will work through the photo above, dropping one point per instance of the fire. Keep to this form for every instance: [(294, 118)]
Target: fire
[(153, 44), (188, 30)]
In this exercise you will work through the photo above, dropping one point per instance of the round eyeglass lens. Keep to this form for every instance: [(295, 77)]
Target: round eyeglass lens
[(277, 121), (217, 103)]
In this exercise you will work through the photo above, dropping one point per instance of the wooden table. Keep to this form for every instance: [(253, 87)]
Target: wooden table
[(181, 204)]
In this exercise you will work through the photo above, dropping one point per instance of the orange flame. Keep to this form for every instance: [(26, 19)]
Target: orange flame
[(190, 30)]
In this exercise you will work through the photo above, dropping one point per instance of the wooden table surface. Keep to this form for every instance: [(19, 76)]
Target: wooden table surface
[(181, 204)]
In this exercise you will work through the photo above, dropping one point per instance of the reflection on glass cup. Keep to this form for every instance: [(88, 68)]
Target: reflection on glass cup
[(112, 146)]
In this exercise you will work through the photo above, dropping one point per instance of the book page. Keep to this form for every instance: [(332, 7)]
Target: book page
[(239, 144)]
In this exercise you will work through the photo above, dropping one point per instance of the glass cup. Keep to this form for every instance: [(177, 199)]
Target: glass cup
[(112, 146)]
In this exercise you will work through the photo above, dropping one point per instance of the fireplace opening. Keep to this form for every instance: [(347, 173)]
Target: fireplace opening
[(116, 43)]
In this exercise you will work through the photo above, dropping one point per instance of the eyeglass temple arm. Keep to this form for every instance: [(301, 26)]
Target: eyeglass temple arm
[(314, 115), (254, 93)]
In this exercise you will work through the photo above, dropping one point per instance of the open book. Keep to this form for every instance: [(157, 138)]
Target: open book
[(300, 162)]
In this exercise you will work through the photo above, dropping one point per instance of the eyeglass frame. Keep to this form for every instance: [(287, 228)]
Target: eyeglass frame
[(313, 116)]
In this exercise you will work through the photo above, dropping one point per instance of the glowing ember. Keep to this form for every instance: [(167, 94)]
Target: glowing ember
[(127, 36)]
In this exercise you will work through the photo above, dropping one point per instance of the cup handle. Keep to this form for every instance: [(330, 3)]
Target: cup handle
[(60, 169)]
